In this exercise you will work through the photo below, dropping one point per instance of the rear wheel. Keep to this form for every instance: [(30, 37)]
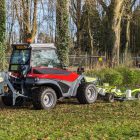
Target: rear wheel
[(44, 98), (109, 97), (137, 96), (87, 93)]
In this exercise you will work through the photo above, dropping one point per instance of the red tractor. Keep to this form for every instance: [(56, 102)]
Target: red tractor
[(36, 74)]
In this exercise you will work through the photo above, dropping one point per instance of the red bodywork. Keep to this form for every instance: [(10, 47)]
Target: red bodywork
[(64, 75), (69, 77)]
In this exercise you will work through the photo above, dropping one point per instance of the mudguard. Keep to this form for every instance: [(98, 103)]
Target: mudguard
[(67, 89)]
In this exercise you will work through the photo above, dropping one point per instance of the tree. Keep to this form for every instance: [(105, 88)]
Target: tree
[(128, 15), (2, 21), (62, 30), (76, 13), (109, 27), (2, 33), (114, 13), (135, 33), (26, 13), (91, 38)]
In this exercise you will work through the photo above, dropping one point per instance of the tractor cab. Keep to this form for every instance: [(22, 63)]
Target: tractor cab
[(26, 56)]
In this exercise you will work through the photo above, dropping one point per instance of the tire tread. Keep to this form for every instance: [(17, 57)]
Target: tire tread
[(37, 97), (81, 93)]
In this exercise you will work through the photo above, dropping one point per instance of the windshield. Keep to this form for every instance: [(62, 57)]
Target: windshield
[(45, 57), (20, 57)]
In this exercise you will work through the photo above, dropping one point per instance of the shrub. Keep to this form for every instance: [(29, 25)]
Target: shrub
[(112, 77), (121, 76), (137, 77), (130, 76)]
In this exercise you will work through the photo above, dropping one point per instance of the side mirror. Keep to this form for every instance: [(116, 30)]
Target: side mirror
[(80, 70), (64, 66)]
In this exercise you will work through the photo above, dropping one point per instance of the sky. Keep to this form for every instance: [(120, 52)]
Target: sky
[(46, 19)]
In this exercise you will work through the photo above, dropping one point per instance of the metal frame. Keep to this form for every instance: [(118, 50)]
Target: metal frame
[(6, 82)]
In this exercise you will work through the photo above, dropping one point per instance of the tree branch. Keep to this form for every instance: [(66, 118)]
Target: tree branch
[(102, 3), (34, 27), (133, 3)]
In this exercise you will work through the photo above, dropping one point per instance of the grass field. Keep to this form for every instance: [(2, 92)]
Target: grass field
[(69, 120)]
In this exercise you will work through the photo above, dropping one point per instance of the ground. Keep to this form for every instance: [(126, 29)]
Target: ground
[(69, 120)]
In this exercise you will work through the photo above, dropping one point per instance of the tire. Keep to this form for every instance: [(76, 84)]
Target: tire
[(8, 101), (87, 93), (44, 98), (109, 97), (137, 96)]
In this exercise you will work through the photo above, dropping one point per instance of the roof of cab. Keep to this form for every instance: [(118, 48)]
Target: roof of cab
[(37, 45), (48, 45)]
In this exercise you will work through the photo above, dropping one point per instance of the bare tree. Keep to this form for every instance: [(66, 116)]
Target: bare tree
[(27, 21), (75, 10), (128, 15), (115, 12)]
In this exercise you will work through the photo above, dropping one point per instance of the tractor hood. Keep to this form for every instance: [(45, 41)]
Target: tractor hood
[(52, 73)]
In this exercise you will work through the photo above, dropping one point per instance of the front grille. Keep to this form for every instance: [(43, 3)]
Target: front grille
[(15, 80), (30, 80)]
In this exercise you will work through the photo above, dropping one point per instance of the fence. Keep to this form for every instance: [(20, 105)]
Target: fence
[(90, 62), (86, 61), (136, 61)]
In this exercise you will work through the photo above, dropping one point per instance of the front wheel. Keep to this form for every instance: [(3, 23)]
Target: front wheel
[(44, 98), (109, 97), (8, 100), (87, 93)]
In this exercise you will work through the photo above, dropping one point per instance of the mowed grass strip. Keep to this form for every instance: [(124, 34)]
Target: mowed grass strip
[(72, 121)]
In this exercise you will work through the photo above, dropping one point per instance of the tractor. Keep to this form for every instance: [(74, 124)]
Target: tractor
[(36, 75)]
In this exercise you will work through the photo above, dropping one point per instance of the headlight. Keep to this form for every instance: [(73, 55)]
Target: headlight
[(36, 79)]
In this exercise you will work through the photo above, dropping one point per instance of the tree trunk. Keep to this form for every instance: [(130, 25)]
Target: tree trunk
[(34, 27), (2, 21), (116, 27), (90, 38), (62, 30), (2, 34), (78, 24), (114, 14), (27, 25), (127, 40)]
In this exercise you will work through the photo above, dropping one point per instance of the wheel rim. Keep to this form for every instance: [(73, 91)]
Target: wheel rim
[(48, 99), (91, 93), (111, 98), (139, 96)]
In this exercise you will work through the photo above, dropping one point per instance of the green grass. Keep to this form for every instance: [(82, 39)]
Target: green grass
[(71, 121)]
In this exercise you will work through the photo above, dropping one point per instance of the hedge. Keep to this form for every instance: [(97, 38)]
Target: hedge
[(121, 76)]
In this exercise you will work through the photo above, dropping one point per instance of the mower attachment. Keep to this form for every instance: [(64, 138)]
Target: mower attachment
[(111, 93)]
